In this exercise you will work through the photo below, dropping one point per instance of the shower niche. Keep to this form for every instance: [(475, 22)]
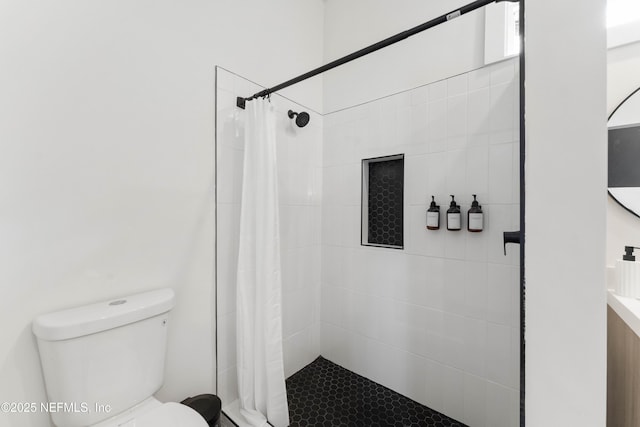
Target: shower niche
[(383, 201), (436, 322)]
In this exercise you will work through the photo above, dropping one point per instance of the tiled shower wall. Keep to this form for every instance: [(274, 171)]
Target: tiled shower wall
[(437, 321), (299, 152)]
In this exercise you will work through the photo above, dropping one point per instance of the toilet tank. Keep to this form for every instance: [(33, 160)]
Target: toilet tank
[(101, 359)]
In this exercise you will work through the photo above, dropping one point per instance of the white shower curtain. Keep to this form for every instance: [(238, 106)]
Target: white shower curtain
[(261, 382)]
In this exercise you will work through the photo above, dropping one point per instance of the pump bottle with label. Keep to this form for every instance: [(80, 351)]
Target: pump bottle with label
[(433, 215), (454, 219), (475, 217)]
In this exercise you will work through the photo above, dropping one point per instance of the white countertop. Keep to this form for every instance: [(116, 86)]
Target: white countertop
[(627, 308)]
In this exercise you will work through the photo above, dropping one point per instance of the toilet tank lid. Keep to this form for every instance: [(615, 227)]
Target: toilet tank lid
[(89, 319)]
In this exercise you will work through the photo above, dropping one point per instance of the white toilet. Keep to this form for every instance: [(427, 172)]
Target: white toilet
[(103, 362)]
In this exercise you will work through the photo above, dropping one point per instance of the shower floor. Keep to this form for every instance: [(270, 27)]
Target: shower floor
[(325, 394)]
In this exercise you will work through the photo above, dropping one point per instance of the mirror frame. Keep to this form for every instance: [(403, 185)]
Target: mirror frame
[(637, 90)]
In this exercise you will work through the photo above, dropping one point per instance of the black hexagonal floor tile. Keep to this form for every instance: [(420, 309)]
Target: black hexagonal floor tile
[(314, 400)]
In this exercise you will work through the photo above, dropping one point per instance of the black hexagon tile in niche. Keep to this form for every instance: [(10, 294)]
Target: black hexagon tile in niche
[(385, 202), (325, 394)]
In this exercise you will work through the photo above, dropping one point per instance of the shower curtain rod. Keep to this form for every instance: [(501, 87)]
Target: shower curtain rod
[(240, 101)]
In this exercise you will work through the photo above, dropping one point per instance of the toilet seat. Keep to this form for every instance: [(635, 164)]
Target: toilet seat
[(156, 414), (170, 414)]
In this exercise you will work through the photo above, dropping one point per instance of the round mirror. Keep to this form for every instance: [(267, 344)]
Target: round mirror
[(624, 153)]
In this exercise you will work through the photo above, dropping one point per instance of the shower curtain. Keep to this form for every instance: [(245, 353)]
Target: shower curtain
[(261, 382)]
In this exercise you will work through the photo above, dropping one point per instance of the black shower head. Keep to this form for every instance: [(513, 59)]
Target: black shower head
[(302, 120)]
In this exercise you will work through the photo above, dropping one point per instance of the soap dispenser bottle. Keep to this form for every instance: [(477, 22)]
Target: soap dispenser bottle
[(475, 217), (628, 274), (433, 215), (454, 220)]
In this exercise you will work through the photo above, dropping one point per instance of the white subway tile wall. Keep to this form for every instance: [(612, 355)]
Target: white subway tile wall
[(300, 191), (439, 320)]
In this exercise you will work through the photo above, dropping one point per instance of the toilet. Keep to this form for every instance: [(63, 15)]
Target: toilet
[(102, 363)]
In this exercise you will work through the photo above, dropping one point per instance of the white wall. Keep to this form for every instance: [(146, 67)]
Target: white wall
[(623, 77), (437, 321), (565, 213), (300, 191), (444, 51), (106, 177)]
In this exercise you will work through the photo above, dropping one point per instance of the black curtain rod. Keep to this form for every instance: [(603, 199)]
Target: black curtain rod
[(240, 101)]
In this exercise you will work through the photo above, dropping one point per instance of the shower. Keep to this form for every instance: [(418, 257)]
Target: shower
[(425, 332), (432, 318), (302, 119)]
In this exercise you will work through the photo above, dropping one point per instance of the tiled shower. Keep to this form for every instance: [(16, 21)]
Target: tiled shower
[(437, 320)]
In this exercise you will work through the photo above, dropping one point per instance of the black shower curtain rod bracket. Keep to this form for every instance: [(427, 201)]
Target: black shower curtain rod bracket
[(241, 102)]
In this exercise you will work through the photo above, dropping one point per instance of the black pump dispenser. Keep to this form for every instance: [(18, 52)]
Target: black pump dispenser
[(433, 215), (475, 204), (454, 220), (475, 217), (628, 253), (433, 205), (453, 205)]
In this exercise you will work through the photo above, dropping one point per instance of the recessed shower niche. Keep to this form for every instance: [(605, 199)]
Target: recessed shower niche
[(383, 201), (438, 321)]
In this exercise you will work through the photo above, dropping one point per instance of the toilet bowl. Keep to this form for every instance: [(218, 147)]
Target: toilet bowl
[(108, 358)]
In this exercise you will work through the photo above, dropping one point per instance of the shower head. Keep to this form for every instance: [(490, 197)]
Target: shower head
[(302, 120)]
